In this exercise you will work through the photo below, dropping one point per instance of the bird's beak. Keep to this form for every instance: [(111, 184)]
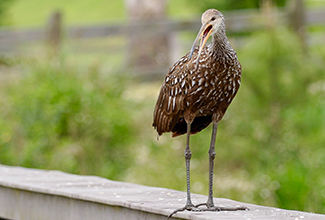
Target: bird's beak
[(204, 34)]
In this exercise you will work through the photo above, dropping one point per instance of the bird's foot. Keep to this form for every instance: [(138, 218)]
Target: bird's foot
[(190, 207), (196, 208), (218, 209)]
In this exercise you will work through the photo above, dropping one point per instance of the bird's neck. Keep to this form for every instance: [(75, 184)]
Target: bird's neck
[(220, 41)]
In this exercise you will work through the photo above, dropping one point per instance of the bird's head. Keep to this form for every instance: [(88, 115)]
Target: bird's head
[(212, 21)]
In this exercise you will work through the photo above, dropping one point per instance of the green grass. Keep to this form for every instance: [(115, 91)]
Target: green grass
[(35, 13), (315, 3)]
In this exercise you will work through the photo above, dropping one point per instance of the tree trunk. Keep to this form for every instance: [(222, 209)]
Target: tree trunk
[(148, 51)]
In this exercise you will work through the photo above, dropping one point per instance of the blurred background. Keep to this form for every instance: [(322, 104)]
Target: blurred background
[(80, 78)]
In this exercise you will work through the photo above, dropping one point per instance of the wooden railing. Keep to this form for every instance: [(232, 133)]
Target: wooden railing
[(30, 194)]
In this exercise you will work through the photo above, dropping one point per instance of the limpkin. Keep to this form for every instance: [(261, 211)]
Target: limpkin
[(197, 90)]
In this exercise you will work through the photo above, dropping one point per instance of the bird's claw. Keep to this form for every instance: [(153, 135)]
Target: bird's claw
[(218, 208), (191, 207), (196, 208)]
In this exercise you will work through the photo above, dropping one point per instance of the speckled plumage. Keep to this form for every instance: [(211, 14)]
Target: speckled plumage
[(198, 94)]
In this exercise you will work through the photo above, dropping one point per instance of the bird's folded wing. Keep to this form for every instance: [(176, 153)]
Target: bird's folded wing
[(170, 103)]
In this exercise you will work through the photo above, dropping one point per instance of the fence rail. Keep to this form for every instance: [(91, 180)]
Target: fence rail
[(236, 22), (240, 21)]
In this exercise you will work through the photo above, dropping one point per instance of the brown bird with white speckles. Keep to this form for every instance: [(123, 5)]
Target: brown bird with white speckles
[(197, 90)]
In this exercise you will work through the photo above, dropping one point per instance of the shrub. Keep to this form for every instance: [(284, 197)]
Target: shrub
[(58, 118)]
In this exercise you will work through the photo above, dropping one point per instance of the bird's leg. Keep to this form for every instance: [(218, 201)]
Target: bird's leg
[(210, 204), (188, 155), (212, 155), (189, 205)]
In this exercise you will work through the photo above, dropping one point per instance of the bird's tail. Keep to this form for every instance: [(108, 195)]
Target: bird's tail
[(198, 124)]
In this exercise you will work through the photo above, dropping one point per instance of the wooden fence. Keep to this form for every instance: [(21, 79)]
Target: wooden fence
[(240, 21)]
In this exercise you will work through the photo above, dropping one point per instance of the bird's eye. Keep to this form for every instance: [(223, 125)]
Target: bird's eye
[(213, 18)]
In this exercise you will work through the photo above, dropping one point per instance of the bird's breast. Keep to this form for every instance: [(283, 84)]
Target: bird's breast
[(211, 87), (203, 86)]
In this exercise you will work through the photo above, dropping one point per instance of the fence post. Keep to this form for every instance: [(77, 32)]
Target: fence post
[(296, 14), (148, 51), (53, 33), (268, 9)]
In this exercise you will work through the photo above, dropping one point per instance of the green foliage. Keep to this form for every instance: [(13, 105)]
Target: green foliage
[(55, 117), (4, 4), (282, 118)]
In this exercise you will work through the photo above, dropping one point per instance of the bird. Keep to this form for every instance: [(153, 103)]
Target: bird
[(196, 92)]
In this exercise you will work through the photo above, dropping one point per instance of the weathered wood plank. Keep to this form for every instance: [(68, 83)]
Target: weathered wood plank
[(30, 194)]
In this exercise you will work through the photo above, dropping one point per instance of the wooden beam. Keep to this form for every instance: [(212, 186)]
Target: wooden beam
[(29, 194)]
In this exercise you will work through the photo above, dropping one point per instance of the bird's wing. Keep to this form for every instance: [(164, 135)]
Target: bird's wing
[(170, 103)]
